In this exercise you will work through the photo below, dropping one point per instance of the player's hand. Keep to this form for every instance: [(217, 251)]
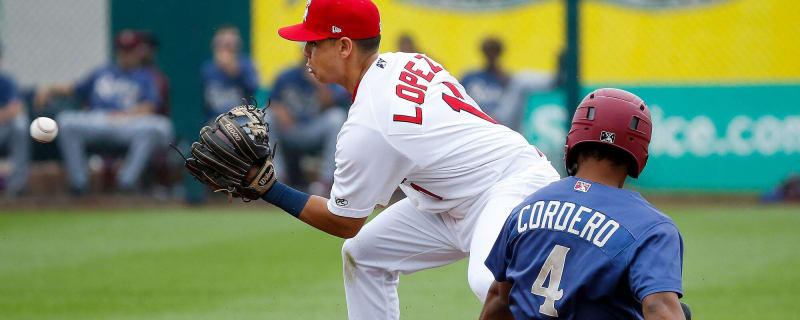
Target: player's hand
[(234, 155), (41, 97)]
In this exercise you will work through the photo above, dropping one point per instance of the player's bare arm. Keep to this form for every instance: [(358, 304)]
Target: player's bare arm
[(662, 306), (316, 214), (496, 305), (43, 95), (144, 107), (10, 110)]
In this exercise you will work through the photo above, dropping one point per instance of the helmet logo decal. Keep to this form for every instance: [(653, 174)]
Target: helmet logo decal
[(335, 29), (606, 136)]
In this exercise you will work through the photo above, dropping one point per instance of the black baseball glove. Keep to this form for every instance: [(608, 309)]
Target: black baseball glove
[(234, 156)]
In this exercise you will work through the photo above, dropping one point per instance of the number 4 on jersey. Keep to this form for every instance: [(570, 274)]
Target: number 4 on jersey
[(554, 267)]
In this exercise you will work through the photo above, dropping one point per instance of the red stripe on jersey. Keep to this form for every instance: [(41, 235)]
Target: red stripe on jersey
[(421, 189)]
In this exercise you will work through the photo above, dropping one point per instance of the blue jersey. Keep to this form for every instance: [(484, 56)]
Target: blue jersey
[(111, 88), (485, 88), (577, 249), (294, 88), (8, 91), (223, 92)]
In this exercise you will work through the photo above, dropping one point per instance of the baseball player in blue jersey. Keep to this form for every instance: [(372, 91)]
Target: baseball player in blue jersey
[(583, 247)]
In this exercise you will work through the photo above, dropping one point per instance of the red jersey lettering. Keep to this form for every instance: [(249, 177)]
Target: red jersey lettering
[(427, 76), (434, 68), (457, 104)]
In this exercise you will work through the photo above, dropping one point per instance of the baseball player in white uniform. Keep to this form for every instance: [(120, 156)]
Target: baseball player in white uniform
[(411, 125)]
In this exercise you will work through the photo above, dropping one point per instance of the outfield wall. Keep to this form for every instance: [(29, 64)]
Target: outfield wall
[(717, 41)]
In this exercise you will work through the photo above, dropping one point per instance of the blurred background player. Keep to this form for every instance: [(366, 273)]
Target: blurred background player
[(165, 175), (121, 100), (488, 84), (307, 116), (607, 252), (14, 134), (150, 45), (406, 44), (229, 76), (500, 94)]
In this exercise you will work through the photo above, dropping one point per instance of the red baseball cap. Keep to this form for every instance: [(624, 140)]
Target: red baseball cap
[(323, 19), (127, 39)]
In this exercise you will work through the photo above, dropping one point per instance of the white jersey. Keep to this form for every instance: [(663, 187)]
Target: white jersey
[(412, 124)]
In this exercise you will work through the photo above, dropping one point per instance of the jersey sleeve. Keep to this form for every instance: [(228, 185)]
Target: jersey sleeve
[(83, 88), (248, 77), (368, 170), (656, 266), (149, 89), (500, 256), (340, 95), (8, 92), (281, 83)]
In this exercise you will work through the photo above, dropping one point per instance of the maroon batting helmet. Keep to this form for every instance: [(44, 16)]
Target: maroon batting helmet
[(615, 117)]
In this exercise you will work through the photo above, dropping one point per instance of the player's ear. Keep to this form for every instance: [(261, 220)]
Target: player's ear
[(345, 47)]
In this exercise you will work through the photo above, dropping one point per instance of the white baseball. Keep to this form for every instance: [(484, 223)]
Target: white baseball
[(44, 129)]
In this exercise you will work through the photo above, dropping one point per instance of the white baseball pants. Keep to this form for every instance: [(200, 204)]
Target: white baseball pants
[(141, 134), (404, 240), (14, 134)]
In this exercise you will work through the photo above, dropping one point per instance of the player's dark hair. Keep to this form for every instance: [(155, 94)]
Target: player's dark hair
[(368, 45), (603, 151)]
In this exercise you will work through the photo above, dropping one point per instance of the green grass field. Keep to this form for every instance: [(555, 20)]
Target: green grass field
[(740, 263)]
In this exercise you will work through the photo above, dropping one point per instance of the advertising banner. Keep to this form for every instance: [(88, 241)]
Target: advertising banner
[(717, 138)]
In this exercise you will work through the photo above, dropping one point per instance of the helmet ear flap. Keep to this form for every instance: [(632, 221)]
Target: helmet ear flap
[(640, 166)]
